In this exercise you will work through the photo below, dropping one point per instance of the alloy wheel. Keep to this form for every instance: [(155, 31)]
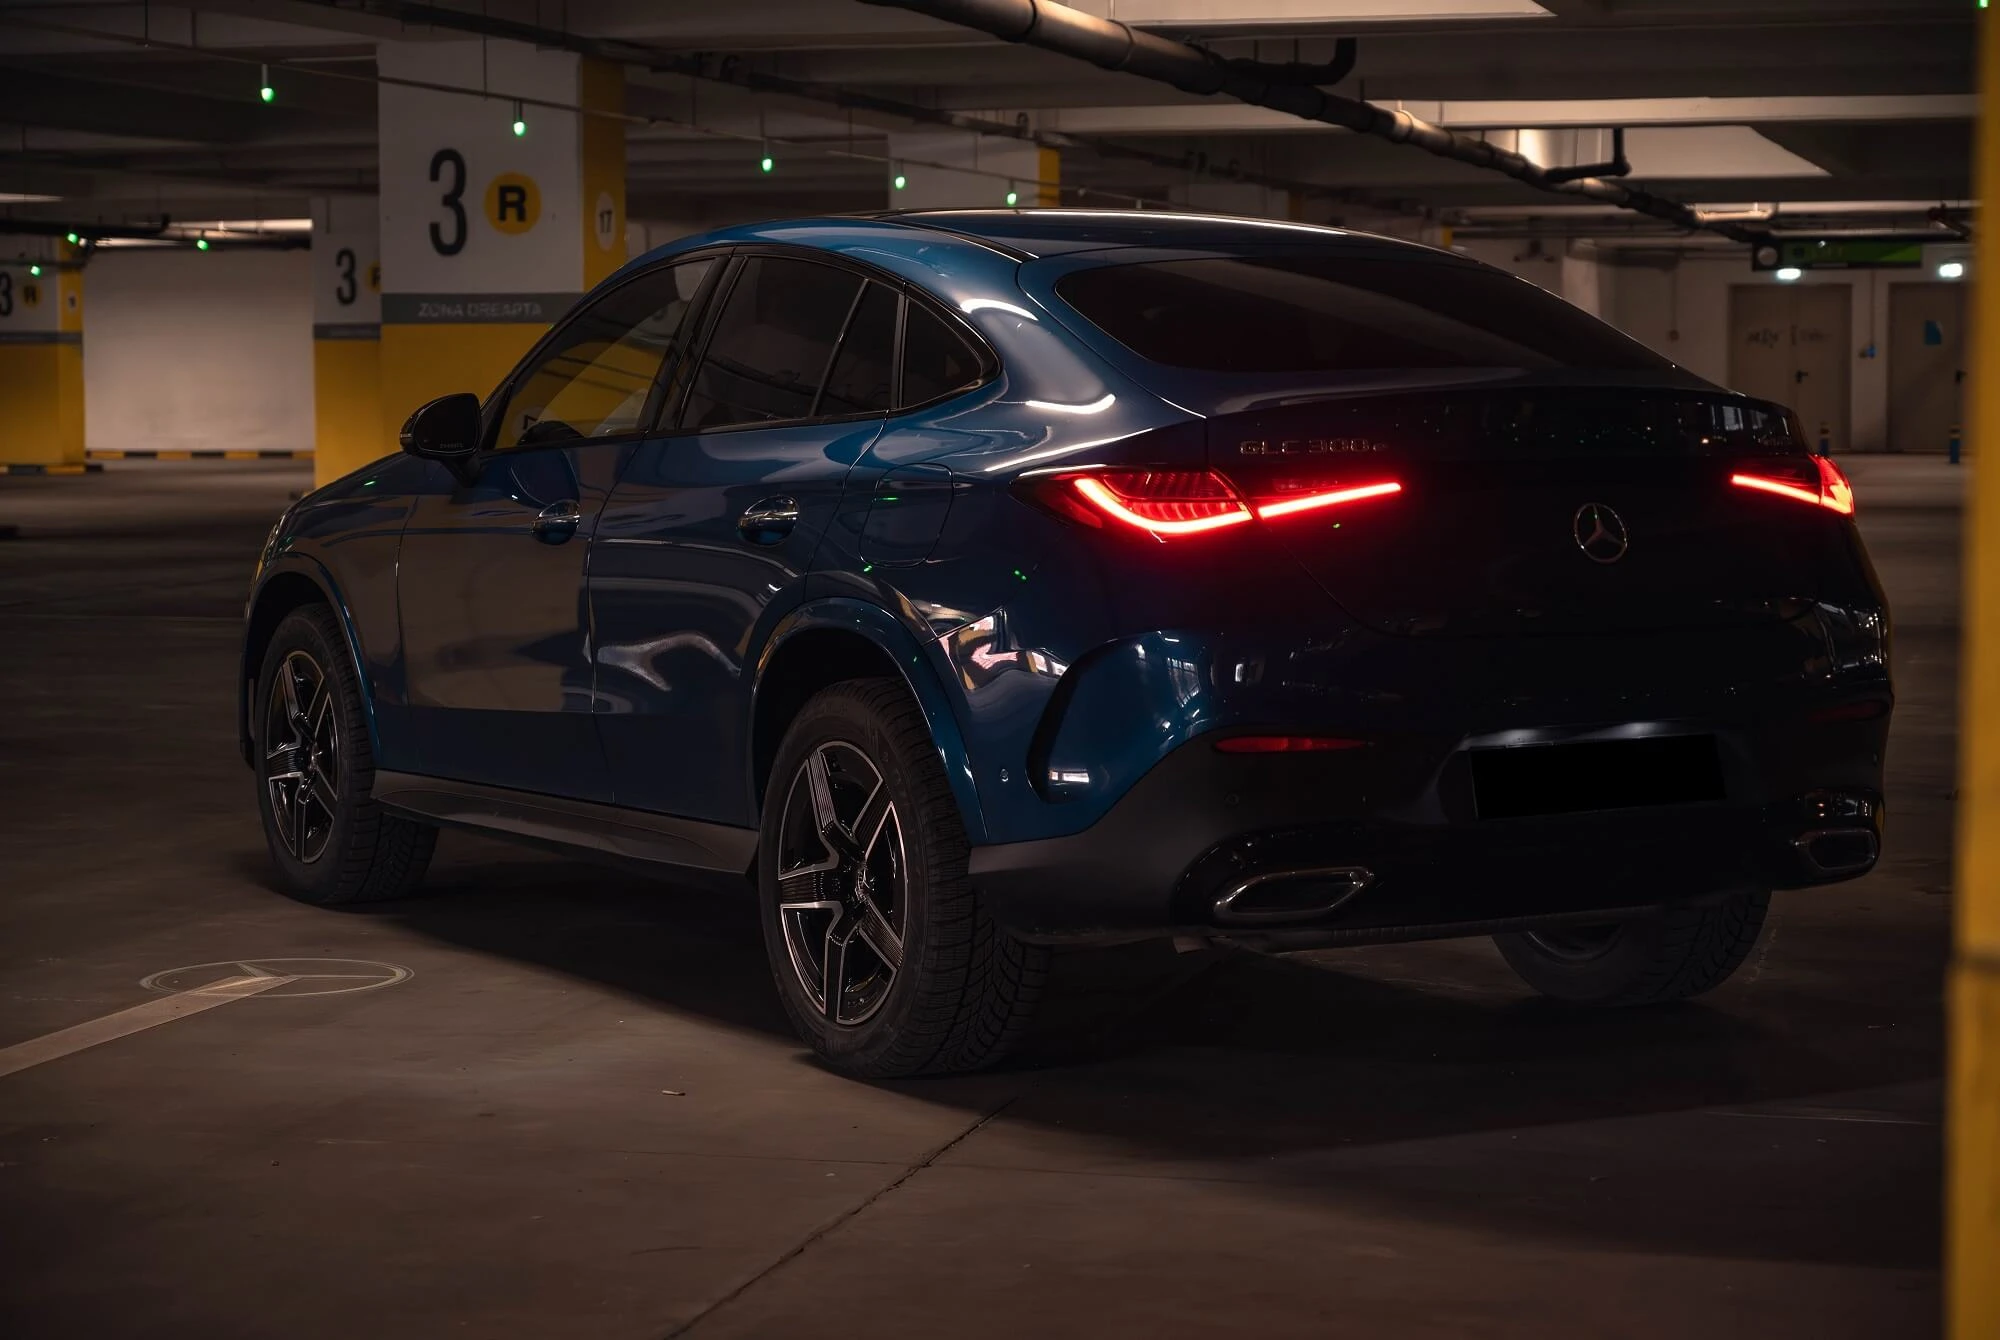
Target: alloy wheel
[(302, 756), (842, 883)]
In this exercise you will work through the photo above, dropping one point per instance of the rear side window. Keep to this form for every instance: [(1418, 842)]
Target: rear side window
[(772, 343), (1331, 313), (937, 360), (864, 369)]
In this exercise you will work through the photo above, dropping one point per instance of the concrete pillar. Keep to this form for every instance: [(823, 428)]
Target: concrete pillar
[(347, 336), (1972, 1290), (41, 355), (954, 169), (487, 235)]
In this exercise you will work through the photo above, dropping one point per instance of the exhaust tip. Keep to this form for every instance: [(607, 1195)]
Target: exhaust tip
[(1838, 851), (1278, 897)]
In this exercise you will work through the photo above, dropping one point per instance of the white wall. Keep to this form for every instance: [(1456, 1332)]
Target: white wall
[(1692, 298), (200, 350)]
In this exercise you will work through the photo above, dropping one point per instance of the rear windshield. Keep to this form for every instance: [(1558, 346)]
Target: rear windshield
[(1332, 313)]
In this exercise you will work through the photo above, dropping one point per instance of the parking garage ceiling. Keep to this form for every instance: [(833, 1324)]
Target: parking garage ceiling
[(1843, 113)]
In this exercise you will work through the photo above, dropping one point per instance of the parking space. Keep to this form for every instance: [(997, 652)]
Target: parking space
[(567, 1102)]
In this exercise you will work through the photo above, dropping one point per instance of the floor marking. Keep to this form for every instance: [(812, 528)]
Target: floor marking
[(1860, 1119), (302, 976), (110, 1027)]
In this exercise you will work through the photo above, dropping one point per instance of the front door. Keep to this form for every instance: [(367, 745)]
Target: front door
[(709, 535), (492, 577)]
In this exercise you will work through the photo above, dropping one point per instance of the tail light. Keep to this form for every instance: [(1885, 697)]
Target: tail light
[(1814, 479), (1285, 744), (1168, 504)]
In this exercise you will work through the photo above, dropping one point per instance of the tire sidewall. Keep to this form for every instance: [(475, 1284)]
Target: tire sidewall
[(314, 881), (835, 716)]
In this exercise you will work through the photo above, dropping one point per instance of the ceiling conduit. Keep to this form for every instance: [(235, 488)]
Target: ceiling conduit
[(1111, 45)]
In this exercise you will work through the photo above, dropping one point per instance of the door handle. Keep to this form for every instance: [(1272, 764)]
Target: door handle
[(768, 520), (557, 522)]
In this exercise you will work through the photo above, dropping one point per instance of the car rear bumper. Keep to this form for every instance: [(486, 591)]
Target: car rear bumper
[(1386, 842)]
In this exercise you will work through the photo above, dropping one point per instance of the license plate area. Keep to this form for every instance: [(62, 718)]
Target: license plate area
[(1576, 778)]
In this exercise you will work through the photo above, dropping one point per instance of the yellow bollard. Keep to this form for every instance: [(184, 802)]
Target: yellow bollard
[(1972, 1289)]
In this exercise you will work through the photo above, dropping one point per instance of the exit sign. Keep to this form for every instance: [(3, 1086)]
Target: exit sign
[(1840, 253)]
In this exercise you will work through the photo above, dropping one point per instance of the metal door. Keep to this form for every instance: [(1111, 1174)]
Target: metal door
[(1926, 365)]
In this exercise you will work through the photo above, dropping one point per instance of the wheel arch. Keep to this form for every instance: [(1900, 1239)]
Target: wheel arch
[(282, 589), (829, 641)]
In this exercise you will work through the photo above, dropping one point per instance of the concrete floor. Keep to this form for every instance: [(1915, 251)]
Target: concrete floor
[(582, 1115)]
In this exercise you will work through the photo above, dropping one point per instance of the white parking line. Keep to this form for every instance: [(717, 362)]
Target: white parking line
[(107, 1028)]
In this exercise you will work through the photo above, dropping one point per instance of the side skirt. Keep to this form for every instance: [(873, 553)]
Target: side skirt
[(609, 830)]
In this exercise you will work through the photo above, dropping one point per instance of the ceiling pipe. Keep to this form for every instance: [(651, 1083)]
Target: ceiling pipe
[(1111, 45), (732, 71)]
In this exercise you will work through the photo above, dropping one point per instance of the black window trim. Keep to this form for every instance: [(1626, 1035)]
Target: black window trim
[(697, 316), (669, 422)]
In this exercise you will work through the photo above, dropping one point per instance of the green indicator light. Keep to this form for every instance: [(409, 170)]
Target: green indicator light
[(267, 93), (201, 244), (765, 163), (1022, 575), (868, 567), (887, 497), (35, 270), (1013, 197), (72, 239), (901, 181), (520, 126)]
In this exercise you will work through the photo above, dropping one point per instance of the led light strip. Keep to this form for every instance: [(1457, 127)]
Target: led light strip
[(1338, 496)]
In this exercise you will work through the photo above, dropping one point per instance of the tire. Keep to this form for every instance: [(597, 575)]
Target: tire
[(928, 984), (330, 844), (1680, 953)]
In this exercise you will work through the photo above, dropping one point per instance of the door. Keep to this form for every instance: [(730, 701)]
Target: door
[(707, 540), (1926, 365), (491, 576), (1789, 343)]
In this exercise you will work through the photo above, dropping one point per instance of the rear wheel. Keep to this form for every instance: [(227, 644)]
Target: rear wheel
[(329, 842), (885, 960), (1680, 953)]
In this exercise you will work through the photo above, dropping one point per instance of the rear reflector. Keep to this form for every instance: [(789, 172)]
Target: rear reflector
[(1284, 744), (1866, 710), (1822, 484)]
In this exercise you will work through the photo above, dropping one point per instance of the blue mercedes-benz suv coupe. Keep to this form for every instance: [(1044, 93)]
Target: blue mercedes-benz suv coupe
[(968, 583)]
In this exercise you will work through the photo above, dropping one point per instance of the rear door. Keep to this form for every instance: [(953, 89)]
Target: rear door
[(491, 574), (708, 538)]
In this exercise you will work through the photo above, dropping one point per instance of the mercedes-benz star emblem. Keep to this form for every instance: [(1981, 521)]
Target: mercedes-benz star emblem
[(1600, 533)]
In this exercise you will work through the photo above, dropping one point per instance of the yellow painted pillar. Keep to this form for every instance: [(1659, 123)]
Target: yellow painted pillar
[(1973, 1133), (347, 337), (488, 235), (41, 355)]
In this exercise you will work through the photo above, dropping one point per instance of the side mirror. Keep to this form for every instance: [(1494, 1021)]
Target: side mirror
[(447, 429)]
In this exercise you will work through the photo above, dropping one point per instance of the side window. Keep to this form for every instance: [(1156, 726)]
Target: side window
[(599, 377), (937, 360), (772, 344), (864, 369)]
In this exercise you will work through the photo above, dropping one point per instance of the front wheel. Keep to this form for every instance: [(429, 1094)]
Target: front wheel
[(330, 842), (1681, 952), (885, 960)]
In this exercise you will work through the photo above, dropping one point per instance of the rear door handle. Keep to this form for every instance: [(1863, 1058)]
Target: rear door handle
[(557, 522), (768, 520)]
